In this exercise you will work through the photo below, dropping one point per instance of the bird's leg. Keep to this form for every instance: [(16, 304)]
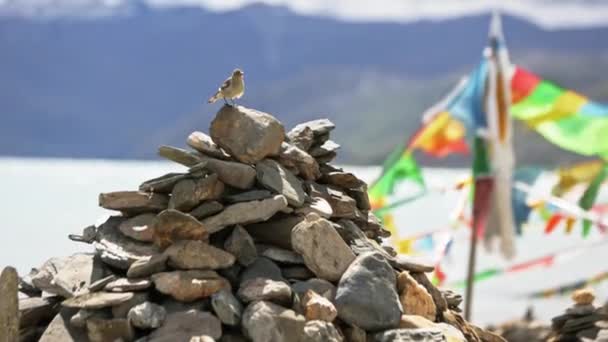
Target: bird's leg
[(225, 101)]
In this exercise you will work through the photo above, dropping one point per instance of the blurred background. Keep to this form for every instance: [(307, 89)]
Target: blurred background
[(90, 88)]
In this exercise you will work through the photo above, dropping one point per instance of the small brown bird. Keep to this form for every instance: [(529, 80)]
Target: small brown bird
[(232, 88)]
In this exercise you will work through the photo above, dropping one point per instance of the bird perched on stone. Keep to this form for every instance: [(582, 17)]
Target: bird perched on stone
[(232, 88)]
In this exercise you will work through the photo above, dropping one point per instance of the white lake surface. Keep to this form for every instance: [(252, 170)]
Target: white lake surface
[(44, 200)]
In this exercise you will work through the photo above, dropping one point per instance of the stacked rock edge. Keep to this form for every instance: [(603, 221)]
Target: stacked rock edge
[(259, 239), (583, 321)]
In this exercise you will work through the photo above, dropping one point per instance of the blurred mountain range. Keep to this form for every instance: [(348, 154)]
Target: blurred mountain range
[(117, 86)]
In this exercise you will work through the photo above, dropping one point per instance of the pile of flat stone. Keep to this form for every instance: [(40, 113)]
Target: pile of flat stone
[(259, 239), (582, 321)]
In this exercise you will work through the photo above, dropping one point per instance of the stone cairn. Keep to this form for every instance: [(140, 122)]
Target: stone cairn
[(261, 239), (582, 321)]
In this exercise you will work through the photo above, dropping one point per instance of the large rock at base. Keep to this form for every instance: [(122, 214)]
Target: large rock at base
[(415, 299), (68, 276), (268, 322), (188, 254), (188, 286), (227, 307), (238, 175), (203, 143), (367, 296), (188, 193), (173, 225), (320, 331), (241, 245), (140, 227), (33, 311), (276, 178), (184, 325), (244, 213), (103, 330), (97, 300), (9, 305), (133, 202), (60, 329), (246, 134), (117, 250), (323, 250), (265, 289)]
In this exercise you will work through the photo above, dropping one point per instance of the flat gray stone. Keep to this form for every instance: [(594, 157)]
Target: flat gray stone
[(140, 227), (262, 268), (97, 300), (276, 231), (179, 155), (9, 305), (117, 250), (283, 256), (323, 250), (147, 266), (206, 209), (101, 283), (189, 286), (227, 307), (265, 321), (241, 245), (276, 178), (246, 134), (163, 184), (245, 213), (133, 202), (205, 145), (188, 193), (173, 225), (68, 276), (128, 285), (184, 325), (369, 273), (189, 254), (235, 174), (251, 195)]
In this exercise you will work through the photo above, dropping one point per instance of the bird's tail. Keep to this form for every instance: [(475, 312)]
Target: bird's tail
[(214, 98)]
